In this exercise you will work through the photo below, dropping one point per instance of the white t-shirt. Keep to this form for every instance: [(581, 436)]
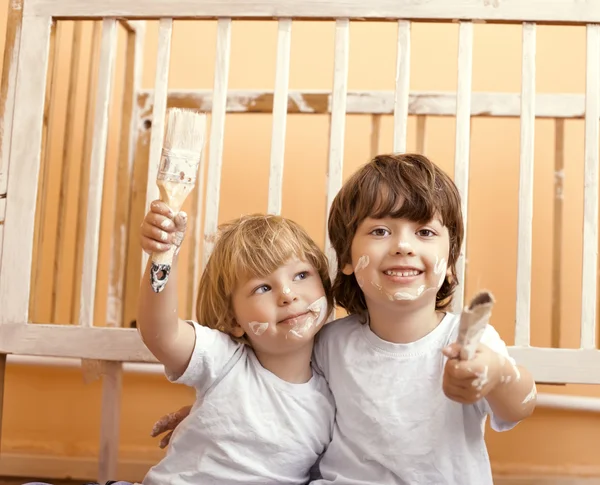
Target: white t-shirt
[(247, 426), (394, 424)]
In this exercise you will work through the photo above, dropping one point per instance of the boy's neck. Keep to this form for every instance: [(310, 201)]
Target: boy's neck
[(292, 367), (405, 324)]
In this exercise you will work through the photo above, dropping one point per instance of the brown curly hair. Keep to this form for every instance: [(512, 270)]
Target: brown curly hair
[(375, 190)]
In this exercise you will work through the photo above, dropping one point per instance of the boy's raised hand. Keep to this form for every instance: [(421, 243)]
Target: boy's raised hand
[(161, 228), (468, 381)]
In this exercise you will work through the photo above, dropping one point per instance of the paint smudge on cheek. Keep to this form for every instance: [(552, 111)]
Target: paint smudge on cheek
[(362, 263), (319, 309), (440, 269), (258, 328)]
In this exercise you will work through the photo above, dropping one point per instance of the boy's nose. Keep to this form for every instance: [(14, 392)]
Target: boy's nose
[(287, 296), (404, 249)]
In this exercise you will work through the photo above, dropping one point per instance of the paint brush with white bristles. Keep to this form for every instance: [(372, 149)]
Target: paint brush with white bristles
[(473, 321), (181, 153)]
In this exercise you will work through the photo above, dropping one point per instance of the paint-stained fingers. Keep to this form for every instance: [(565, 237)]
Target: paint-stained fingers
[(159, 207), (165, 440), (153, 239), (461, 370)]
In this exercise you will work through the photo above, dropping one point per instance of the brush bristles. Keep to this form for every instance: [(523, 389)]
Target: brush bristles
[(185, 130)]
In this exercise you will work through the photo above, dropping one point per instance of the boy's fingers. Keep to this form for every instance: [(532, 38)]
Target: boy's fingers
[(181, 221), (451, 351), (461, 370), (165, 440), (155, 233), (159, 207)]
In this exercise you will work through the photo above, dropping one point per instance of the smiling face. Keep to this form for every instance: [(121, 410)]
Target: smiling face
[(281, 311), (399, 261)]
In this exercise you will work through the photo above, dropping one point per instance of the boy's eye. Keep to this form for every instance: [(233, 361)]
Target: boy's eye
[(380, 231), (426, 233), (261, 289), (302, 275)]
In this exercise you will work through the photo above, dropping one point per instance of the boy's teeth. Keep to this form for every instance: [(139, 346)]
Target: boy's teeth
[(413, 272)]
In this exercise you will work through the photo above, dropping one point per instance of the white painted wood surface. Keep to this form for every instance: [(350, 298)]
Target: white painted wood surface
[(280, 102), (463, 144), (110, 418), (590, 194), (525, 226), (22, 184), (161, 82), (338, 126), (217, 135), (421, 103), (401, 95), (127, 139), (7, 100), (96, 343), (559, 11), (92, 230)]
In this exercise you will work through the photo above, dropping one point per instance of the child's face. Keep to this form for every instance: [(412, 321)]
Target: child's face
[(399, 260), (282, 310)]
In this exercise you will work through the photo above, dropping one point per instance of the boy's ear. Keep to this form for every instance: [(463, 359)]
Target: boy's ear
[(347, 269), (236, 330)]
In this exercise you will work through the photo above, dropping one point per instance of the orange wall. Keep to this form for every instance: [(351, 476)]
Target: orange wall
[(51, 411)]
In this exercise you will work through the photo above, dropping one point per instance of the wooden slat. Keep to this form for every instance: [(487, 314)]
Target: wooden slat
[(558, 11), (425, 103), (590, 194), (401, 96), (195, 241), (525, 228), (97, 343), (559, 178), (22, 184), (136, 216), (282, 76), (338, 126), (161, 82), (41, 236), (110, 420), (60, 284), (463, 144), (2, 377), (7, 98), (421, 134), (96, 181), (375, 135), (129, 130), (217, 135), (559, 366), (84, 168)]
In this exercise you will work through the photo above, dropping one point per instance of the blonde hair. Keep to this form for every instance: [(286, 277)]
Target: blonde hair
[(376, 190), (252, 246)]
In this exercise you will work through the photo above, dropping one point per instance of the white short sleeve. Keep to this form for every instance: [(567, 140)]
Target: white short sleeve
[(492, 339), (214, 353)]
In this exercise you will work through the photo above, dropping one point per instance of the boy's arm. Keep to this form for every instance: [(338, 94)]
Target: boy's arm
[(170, 339), (514, 397)]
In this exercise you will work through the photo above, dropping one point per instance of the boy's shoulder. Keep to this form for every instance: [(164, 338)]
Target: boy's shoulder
[(342, 325)]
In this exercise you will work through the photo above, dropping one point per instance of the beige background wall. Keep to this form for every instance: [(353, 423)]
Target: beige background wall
[(50, 411)]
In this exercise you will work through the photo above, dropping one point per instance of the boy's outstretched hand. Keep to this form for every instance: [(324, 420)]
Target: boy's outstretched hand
[(467, 381), (161, 228), (168, 423)]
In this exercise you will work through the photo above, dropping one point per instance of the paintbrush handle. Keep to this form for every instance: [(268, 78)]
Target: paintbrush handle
[(173, 194)]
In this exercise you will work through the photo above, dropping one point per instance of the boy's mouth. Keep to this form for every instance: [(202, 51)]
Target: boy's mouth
[(403, 273), (292, 318)]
